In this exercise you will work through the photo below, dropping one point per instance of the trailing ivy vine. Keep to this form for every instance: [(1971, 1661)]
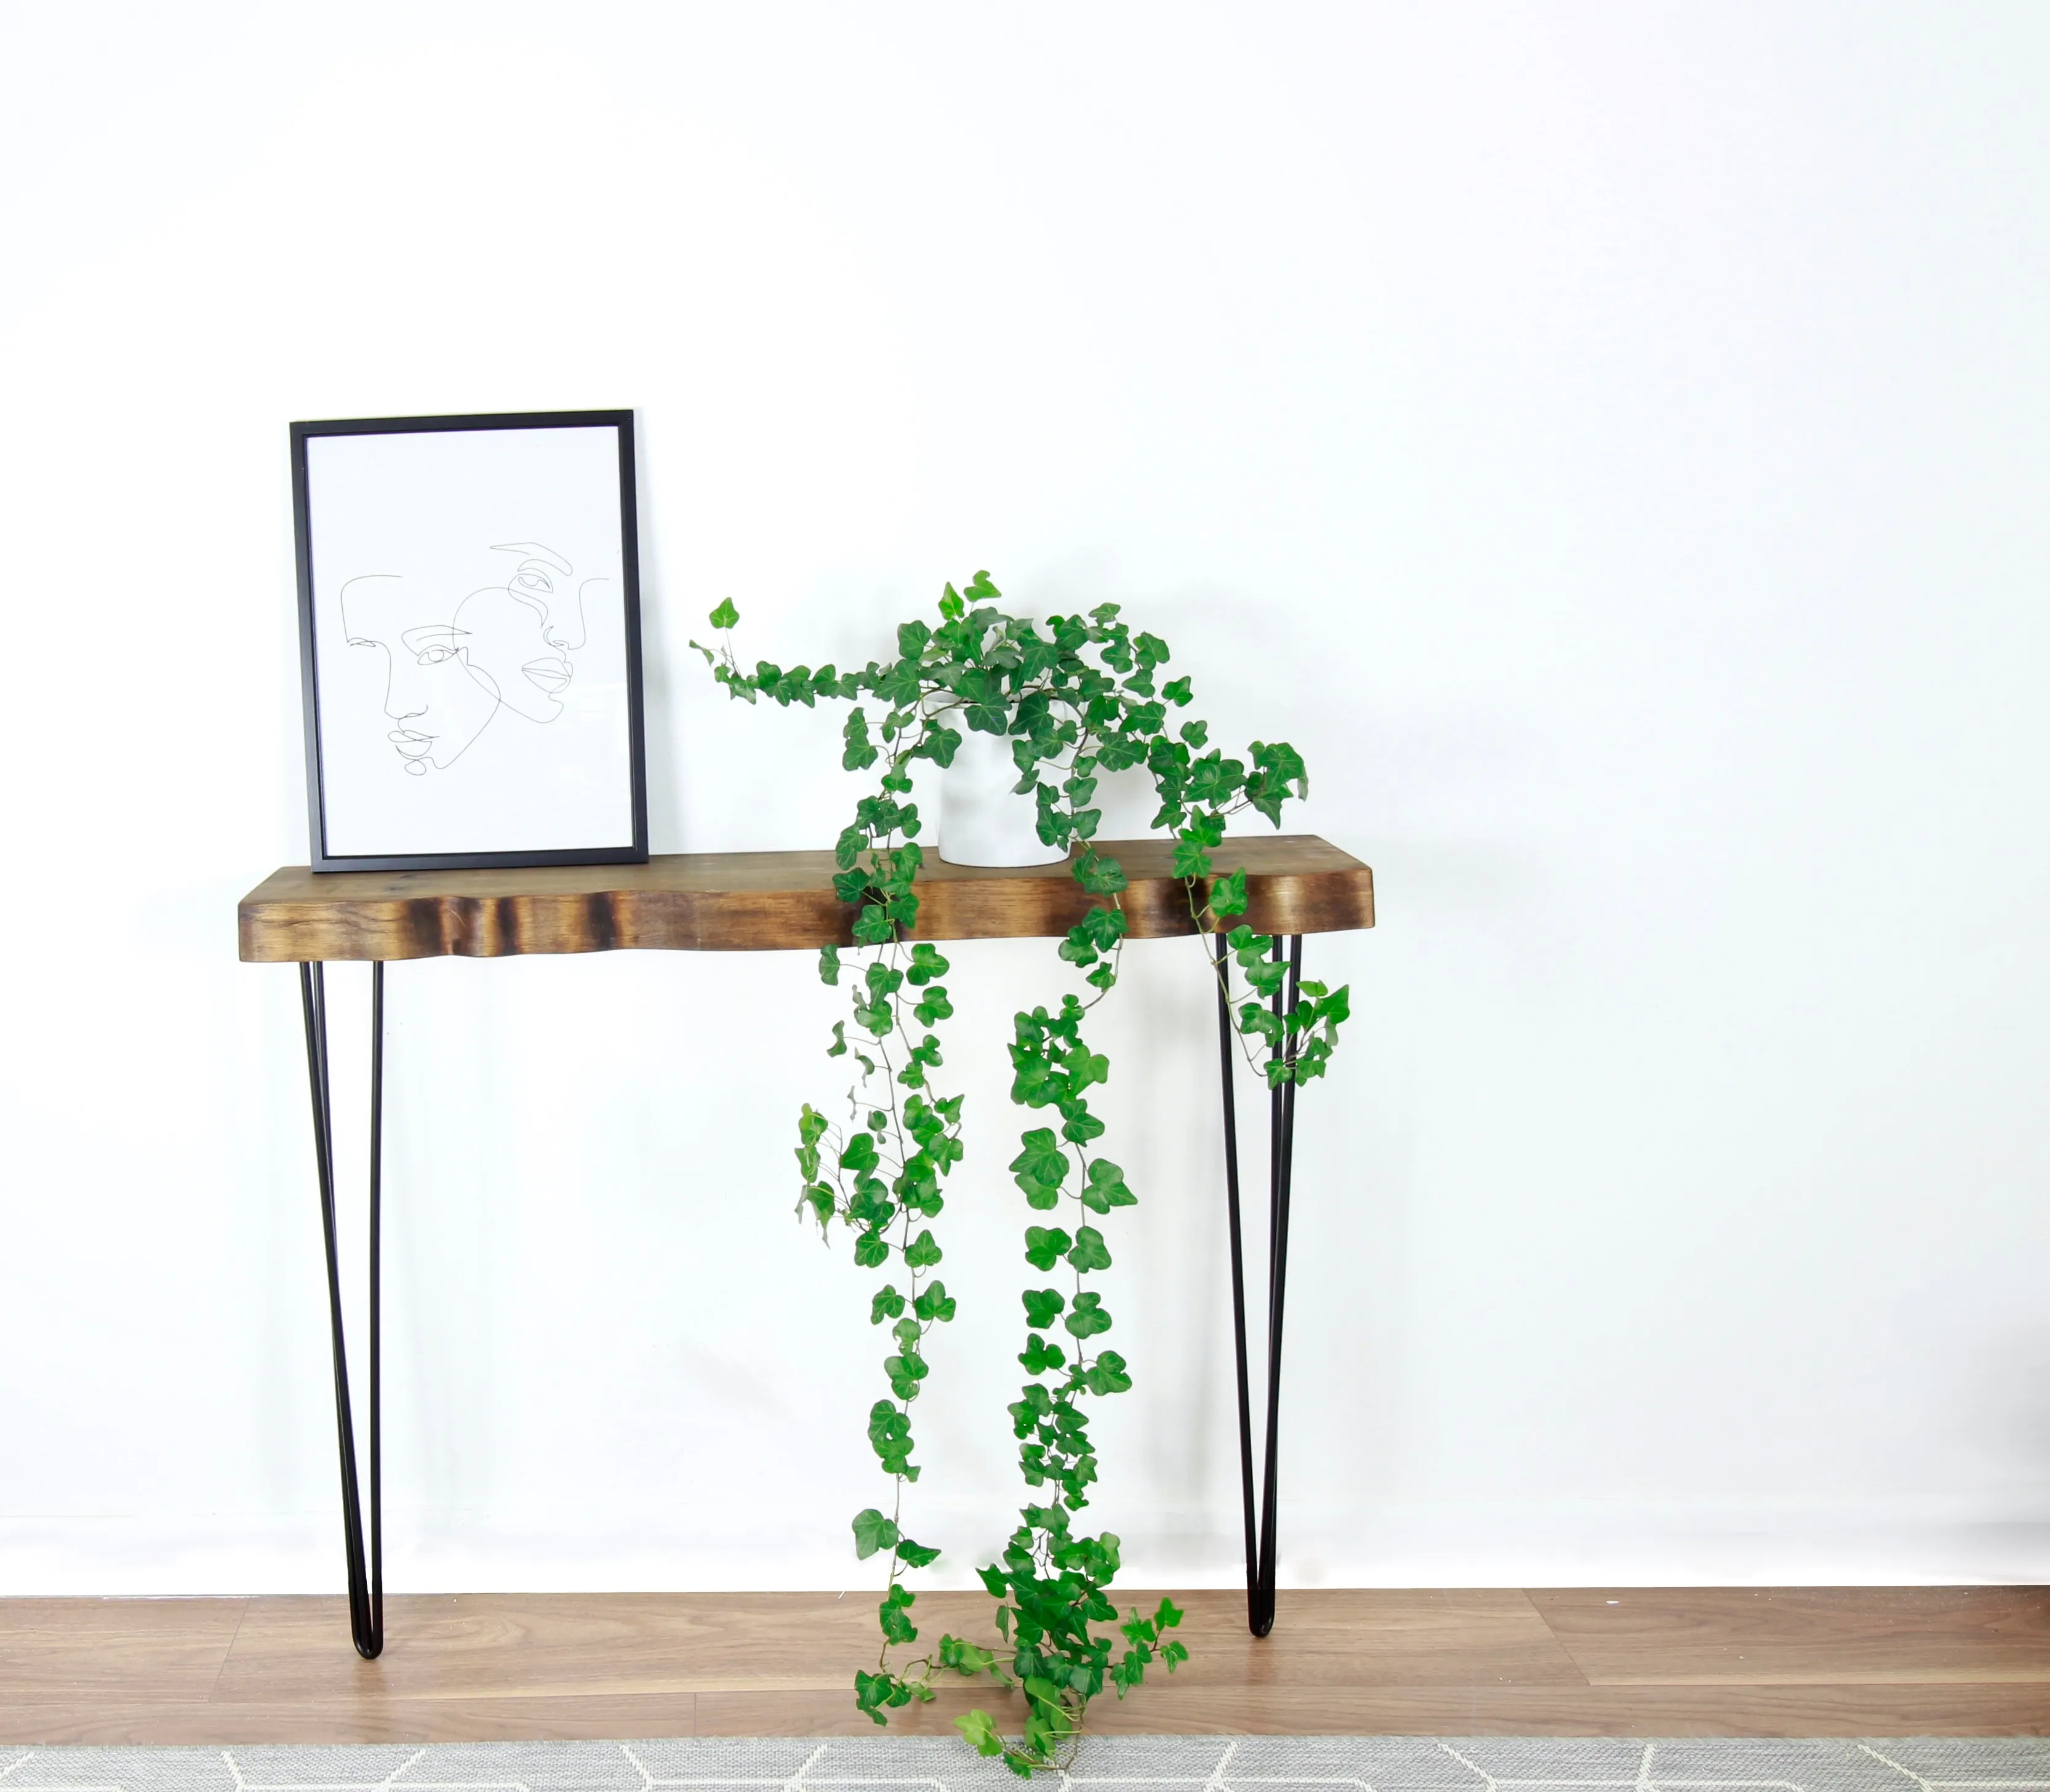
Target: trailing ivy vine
[(1076, 699)]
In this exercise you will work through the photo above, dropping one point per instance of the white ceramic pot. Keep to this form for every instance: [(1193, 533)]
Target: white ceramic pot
[(981, 821)]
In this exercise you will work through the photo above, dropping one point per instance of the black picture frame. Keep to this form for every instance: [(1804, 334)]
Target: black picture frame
[(630, 851)]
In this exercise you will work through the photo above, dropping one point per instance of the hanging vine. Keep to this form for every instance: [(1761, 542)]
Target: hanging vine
[(1075, 701)]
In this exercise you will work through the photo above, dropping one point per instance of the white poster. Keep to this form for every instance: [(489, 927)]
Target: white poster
[(473, 640)]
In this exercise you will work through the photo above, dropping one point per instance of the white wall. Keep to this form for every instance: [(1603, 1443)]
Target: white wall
[(1609, 440)]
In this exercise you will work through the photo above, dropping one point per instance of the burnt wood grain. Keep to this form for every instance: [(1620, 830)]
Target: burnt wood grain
[(761, 901)]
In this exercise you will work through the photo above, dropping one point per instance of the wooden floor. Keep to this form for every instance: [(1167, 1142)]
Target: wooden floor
[(1814, 1661)]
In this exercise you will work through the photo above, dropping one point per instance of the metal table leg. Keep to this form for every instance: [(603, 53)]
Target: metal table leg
[(366, 1586), (1260, 1524)]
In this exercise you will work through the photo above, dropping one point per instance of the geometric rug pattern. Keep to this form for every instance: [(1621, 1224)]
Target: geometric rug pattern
[(884, 1764)]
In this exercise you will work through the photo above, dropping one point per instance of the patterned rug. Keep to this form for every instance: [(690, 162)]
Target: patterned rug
[(1155, 1763)]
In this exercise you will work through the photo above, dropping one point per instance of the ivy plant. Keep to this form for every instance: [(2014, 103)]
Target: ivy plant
[(1077, 698)]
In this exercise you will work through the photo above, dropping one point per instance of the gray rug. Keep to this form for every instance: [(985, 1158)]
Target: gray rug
[(1157, 1763)]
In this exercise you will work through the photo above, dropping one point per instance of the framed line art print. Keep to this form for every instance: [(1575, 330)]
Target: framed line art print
[(470, 640)]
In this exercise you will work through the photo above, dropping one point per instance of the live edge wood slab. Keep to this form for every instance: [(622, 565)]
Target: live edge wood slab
[(762, 902)]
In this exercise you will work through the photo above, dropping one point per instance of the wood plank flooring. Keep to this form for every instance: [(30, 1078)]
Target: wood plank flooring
[(1618, 1661)]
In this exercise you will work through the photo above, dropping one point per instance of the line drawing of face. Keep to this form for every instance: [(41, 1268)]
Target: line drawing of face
[(518, 637), (449, 671), (438, 708)]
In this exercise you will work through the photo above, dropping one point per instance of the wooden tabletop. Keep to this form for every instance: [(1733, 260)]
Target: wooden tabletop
[(762, 902)]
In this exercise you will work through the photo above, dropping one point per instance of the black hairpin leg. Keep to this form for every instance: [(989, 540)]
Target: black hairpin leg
[(1260, 1522), (366, 1584)]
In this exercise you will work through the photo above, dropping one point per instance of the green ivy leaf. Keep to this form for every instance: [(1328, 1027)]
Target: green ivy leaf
[(872, 1532), (1260, 1023), (905, 1372), (979, 1731), (860, 752), (874, 1691), (921, 1121), (1041, 1168), (871, 1250), (919, 1191), (1041, 1354), (869, 1204), (1044, 1246), (1090, 1251), (725, 616), (965, 1658), (1107, 1374), (1099, 876), (1283, 765), (1043, 1306), (935, 1305), (1105, 1188), (811, 1128), (1033, 1411), (886, 1304), (880, 980), (926, 963), (1085, 1067), (922, 1253), (1078, 1124), (1088, 1317), (1077, 949), (895, 1614), (1264, 976), (1190, 860)]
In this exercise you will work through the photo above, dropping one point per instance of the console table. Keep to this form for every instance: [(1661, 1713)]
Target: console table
[(770, 901)]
